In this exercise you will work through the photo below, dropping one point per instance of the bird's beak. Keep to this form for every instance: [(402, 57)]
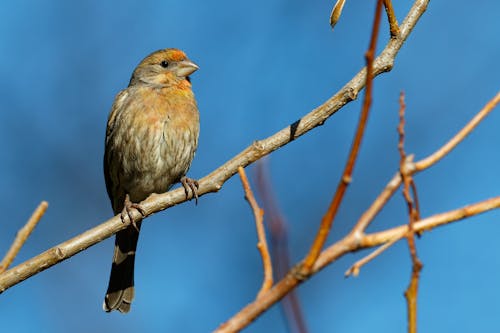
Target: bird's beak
[(185, 68)]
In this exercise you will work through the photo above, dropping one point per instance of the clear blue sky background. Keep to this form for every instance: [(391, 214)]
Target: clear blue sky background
[(263, 64)]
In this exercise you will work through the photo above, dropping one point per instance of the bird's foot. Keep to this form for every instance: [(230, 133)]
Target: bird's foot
[(190, 185), (127, 212)]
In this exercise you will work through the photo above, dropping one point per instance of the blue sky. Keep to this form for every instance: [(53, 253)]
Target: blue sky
[(263, 64)]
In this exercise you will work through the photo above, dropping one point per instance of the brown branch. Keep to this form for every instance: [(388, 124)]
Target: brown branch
[(214, 181), (411, 293), (406, 167), (416, 204), (261, 233), (354, 269), (412, 290), (22, 236), (429, 223), (462, 134), (277, 224), (345, 180), (391, 17)]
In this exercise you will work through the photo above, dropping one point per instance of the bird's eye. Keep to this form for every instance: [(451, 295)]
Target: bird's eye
[(164, 64)]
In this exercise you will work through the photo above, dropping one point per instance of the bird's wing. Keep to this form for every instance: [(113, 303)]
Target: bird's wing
[(108, 155)]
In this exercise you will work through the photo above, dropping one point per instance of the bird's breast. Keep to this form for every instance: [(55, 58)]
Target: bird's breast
[(159, 131)]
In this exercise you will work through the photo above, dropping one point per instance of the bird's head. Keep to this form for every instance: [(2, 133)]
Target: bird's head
[(164, 68)]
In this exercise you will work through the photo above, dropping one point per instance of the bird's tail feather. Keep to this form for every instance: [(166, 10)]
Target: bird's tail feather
[(121, 281)]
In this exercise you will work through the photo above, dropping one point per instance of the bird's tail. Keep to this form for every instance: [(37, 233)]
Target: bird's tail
[(121, 281)]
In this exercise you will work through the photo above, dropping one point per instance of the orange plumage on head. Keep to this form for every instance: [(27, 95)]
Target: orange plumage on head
[(165, 54), (176, 55)]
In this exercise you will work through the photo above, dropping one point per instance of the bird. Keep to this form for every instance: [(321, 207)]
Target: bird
[(151, 139)]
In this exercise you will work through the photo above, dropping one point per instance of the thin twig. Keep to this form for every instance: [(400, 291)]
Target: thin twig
[(431, 222), (261, 233), (22, 235), (391, 16), (436, 156), (354, 269), (327, 220), (411, 292), (406, 167), (393, 22), (416, 204)]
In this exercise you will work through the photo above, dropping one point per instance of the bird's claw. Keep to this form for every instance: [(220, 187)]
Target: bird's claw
[(127, 212), (190, 185)]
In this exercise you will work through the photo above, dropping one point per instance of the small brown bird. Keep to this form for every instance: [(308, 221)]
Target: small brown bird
[(151, 138)]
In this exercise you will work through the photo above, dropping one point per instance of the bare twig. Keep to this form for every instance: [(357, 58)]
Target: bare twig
[(354, 269), (406, 167), (22, 235), (411, 293), (277, 227), (261, 233), (327, 220), (393, 22), (412, 290), (391, 16), (444, 150)]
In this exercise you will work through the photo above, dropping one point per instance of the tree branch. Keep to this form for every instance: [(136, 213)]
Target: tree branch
[(22, 235), (459, 137), (258, 213), (411, 292), (391, 17), (354, 269)]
